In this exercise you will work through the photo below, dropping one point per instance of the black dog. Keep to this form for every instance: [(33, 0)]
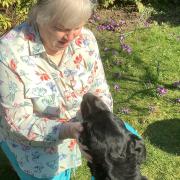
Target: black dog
[(116, 152)]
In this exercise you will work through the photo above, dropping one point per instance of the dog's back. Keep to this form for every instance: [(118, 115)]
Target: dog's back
[(116, 152)]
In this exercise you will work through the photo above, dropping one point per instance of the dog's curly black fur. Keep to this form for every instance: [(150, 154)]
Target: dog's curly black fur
[(116, 152)]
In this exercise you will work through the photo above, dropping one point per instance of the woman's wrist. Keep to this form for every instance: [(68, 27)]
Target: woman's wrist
[(70, 130)]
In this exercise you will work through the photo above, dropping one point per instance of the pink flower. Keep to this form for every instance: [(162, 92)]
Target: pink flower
[(161, 90)]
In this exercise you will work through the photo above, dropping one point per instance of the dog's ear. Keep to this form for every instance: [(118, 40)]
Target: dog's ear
[(118, 147), (117, 150), (136, 146), (118, 142)]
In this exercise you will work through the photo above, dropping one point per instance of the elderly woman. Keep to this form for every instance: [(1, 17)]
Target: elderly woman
[(46, 65)]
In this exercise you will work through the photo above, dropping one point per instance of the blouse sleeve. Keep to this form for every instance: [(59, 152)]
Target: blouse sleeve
[(18, 120), (99, 86)]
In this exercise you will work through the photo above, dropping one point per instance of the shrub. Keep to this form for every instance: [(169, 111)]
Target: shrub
[(13, 12), (108, 3)]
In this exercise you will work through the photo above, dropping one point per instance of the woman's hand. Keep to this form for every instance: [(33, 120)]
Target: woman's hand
[(70, 130), (73, 130)]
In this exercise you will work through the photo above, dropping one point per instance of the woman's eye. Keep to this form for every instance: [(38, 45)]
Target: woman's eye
[(58, 29), (66, 30)]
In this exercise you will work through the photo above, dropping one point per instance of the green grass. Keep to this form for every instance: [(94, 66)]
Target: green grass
[(155, 60)]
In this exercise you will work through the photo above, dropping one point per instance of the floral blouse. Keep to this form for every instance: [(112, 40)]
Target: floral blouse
[(37, 96)]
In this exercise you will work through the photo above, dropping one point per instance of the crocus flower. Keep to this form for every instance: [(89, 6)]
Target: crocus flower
[(177, 100), (146, 24), (126, 48), (151, 109), (176, 84), (106, 49), (125, 111), (122, 22), (94, 18), (116, 87), (121, 38), (161, 90), (110, 25), (118, 62)]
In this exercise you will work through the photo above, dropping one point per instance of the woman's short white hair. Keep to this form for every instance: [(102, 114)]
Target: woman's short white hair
[(68, 13)]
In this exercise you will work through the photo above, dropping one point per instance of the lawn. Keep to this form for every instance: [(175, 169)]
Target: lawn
[(142, 66)]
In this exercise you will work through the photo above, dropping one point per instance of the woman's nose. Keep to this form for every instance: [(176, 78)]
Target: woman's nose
[(69, 36)]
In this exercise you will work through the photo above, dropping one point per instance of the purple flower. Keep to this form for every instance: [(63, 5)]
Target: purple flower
[(121, 38), (110, 25), (177, 100), (91, 20), (122, 22), (106, 49), (118, 62), (94, 18), (126, 48), (125, 111), (151, 109), (101, 27), (161, 90), (146, 24), (116, 87), (176, 84)]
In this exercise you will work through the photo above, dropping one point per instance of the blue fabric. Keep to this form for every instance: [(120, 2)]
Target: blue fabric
[(92, 178), (131, 129), (24, 176)]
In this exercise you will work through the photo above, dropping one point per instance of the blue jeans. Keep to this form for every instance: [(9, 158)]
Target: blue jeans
[(24, 176)]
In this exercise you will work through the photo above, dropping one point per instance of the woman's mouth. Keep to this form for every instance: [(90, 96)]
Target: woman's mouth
[(63, 43)]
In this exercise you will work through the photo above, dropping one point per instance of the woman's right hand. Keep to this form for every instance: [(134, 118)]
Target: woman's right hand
[(73, 130), (70, 130)]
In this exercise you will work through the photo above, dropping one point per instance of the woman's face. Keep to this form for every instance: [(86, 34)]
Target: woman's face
[(56, 37)]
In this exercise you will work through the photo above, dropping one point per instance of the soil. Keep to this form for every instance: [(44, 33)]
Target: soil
[(129, 15)]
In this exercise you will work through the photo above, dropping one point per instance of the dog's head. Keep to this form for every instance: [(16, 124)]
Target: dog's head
[(91, 105), (100, 126)]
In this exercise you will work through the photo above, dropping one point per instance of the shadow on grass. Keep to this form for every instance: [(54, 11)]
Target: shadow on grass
[(6, 170), (167, 11), (165, 134)]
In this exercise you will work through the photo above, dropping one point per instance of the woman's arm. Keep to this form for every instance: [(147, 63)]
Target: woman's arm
[(18, 118)]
